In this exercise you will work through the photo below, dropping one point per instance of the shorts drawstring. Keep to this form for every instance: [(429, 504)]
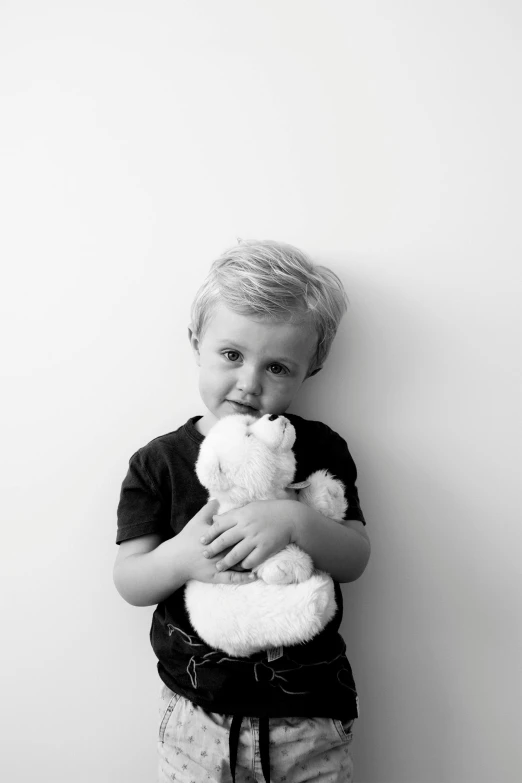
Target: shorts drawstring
[(263, 748), (233, 742)]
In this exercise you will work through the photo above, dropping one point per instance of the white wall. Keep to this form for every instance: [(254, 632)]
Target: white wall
[(138, 140)]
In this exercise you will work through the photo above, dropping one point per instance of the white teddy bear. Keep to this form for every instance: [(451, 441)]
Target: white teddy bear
[(243, 459)]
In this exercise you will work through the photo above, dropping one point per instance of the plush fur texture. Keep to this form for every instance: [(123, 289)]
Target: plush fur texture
[(243, 459)]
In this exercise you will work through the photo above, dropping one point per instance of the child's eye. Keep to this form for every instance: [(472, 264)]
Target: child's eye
[(232, 356), (277, 369)]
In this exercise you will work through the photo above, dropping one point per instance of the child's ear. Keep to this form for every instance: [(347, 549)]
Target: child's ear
[(314, 372), (194, 343)]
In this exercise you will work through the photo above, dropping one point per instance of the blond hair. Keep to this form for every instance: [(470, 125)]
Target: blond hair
[(276, 281)]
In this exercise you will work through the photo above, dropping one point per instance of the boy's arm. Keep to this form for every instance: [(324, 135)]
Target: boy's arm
[(340, 549), (264, 527), (147, 571)]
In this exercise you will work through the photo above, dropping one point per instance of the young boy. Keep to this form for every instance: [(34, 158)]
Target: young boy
[(262, 323)]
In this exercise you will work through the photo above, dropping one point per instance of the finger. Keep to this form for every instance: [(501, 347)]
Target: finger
[(225, 541), (218, 526), (207, 513), (234, 577), (236, 555), (253, 559)]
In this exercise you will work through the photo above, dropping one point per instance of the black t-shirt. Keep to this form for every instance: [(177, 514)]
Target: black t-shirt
[(160, 494)]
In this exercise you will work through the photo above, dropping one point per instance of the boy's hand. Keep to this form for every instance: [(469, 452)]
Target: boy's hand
[(255, 532), (199, 566)]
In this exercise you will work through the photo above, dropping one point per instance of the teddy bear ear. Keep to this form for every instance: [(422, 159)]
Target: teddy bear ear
[(210, 473)]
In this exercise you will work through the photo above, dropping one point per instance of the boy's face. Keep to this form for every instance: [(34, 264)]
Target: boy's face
[(250, 365)]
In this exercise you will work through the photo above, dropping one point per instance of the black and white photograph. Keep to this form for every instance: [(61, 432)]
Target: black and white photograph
[(261, 391)]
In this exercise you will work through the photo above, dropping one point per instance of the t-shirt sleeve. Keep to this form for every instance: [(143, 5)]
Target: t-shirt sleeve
[(341, 465), (140, 508)]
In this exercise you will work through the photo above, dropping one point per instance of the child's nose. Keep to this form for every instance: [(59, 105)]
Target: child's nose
[(249, 381)]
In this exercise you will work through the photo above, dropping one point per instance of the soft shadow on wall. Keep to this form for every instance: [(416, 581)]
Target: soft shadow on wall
[(394, 390)]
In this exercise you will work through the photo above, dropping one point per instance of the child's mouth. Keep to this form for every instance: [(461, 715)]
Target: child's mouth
[(241, 407)]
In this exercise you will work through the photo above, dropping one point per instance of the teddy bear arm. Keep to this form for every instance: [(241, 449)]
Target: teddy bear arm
[(325, 494), (290, 565)]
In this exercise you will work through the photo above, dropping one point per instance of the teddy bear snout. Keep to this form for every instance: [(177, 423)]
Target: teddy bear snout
[(274, 431)]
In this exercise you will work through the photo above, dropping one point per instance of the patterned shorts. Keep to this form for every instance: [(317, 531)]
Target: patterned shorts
[(193, 747)]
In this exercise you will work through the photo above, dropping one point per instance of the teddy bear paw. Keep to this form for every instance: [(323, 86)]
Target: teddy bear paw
[(289, 566), (325, 494)]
